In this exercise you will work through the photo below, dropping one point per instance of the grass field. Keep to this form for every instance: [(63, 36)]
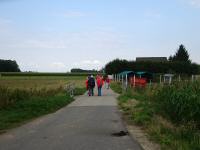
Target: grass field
[(39, 82), (23, 98)]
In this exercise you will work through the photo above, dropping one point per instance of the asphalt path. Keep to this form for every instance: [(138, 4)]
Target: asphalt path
[(89, 123)]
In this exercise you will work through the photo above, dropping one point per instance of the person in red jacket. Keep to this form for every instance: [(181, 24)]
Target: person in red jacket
[(86, 84), (107, 82), (99, 81)]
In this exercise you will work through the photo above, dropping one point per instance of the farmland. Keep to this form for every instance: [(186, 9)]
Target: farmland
[(25, 97), (38, 82)]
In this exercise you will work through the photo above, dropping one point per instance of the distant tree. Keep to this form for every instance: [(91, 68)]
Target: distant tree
[(9, 66), (181, 55), (170, 58), (117, 66), (78, 70)]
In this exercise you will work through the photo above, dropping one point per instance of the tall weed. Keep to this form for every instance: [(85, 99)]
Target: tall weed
[(180, 102), (10, 96)]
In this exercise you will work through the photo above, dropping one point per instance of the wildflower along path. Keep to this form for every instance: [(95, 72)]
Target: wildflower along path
[(89, 123)]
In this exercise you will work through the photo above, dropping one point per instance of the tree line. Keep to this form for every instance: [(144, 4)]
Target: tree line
[(9, 66), (78, 70), (178, 63)]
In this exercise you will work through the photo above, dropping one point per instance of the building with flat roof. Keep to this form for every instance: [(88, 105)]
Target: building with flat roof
[(153, 59)]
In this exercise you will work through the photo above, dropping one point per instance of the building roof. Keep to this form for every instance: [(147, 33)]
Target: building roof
[(134, 73), (153, 59), (168, 75), (126, 73), (143, 72)]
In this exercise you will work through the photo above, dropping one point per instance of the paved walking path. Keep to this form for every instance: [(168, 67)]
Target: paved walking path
[(86, 124)]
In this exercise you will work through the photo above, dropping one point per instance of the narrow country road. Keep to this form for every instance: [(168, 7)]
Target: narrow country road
[(86, 124)]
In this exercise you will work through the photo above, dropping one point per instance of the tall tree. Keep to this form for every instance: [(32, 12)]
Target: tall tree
[(9, 66), (181, 55)]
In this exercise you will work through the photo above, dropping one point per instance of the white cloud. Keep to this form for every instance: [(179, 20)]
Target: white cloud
[(91, 62), (194, 3), (88, 64), (43, 43), (58, 65), (96, 62), (29, 66), (90, 41)]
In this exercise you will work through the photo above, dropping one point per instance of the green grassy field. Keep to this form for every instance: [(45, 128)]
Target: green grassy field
[(39, 82), (23, 98)]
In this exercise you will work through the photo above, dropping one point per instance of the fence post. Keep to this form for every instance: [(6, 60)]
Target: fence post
[(192, 78), (70, 89), (150, 83), (117, 78), (126, 81), (160, 79), (122, 82), (134, 81), (179, 78), (170, 80)]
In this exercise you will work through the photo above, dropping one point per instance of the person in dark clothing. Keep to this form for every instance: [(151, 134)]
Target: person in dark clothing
[(91, 85)]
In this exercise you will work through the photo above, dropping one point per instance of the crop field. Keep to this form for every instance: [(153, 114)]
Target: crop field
[(40, 82), (25, 97)]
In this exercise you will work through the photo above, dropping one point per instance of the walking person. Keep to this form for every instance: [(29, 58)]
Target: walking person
[(87, 87), (99, 85), (107, 82), (91, 85)]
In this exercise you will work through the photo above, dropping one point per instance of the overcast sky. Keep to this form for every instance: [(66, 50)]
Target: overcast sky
[(57, 35)]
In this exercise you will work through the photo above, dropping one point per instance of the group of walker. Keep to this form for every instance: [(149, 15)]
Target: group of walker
[(100, 80)]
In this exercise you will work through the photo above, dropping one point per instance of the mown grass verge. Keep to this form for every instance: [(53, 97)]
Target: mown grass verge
[(79, 91), (22, 106), (153, 109)]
